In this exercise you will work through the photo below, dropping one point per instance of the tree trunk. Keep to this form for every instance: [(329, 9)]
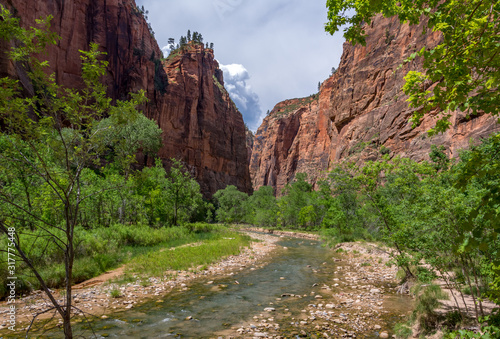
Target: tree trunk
[(69, 258)]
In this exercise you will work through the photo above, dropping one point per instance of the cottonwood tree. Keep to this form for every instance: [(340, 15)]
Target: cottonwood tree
[(49, 135), (231, 204), (183, 192)]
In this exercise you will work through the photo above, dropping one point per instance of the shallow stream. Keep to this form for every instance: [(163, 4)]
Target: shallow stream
[(209, 308)]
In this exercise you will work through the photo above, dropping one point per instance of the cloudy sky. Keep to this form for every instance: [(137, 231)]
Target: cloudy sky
[(269, 50)]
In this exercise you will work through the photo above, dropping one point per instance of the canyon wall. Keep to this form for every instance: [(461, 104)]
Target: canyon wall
[(359, 114), (201, 126)]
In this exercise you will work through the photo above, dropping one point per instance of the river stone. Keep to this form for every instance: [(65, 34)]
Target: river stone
[(374, 291), (269, 309), (384, 335), (377, 327)]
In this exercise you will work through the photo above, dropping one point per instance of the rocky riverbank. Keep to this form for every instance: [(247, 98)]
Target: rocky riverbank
[(101, 296), (310, 236), (357, 303)]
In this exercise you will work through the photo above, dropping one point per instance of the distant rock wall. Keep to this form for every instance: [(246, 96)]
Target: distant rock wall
[(201, 126), (358, 110)]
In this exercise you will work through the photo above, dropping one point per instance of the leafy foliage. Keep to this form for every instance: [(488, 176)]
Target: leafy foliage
[(65, 170), (461, 73), (442, 213), (231, 205)]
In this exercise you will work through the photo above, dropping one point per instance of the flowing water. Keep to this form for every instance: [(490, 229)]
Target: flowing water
[(230, 301)]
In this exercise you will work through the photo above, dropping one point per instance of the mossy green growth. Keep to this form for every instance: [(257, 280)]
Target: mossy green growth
[(358, 147), (218, 84)]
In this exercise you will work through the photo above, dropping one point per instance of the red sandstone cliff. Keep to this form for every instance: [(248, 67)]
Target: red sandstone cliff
[(201, 126), (359, 113), (249, 142)]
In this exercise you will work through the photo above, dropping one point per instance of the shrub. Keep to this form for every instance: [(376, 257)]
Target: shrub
[(115, 293)]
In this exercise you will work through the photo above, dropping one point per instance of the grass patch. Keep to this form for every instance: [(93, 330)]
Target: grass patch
[(183, 258), (115, 293), (103, 249), (403, 330), (427, 298)]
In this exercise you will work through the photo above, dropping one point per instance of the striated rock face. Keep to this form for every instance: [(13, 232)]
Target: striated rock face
[(201, 125), (293, 138), (249, 141), (359, 114)]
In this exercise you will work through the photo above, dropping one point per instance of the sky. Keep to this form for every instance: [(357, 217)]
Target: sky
[(269, 50)]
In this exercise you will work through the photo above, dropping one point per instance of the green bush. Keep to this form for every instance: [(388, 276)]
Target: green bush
[(201, 227), (335, 235), (384, 150), (403, 330)]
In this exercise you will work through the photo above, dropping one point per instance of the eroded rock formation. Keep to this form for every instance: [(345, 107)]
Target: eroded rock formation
[(201, 125), (359, 114)]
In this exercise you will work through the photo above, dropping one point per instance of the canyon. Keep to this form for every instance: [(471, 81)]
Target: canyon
[(185, 92), (359, 114)]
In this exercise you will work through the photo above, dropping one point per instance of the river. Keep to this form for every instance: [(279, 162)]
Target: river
[(288, 297)]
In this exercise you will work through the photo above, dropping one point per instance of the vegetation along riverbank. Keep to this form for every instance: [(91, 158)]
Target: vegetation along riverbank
[(125, 175)]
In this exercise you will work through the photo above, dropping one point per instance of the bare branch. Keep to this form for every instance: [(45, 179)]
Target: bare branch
[(28, 262), (10, 202), (34, 318)]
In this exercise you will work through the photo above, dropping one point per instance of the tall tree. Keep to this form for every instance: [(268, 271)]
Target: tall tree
[(183, 41), (50, 138), (183, 192), (171, 43), (231, 204)]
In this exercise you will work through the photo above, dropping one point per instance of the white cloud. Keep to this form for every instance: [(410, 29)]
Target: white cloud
[(235, 71), (165, 50), (247, 101)]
